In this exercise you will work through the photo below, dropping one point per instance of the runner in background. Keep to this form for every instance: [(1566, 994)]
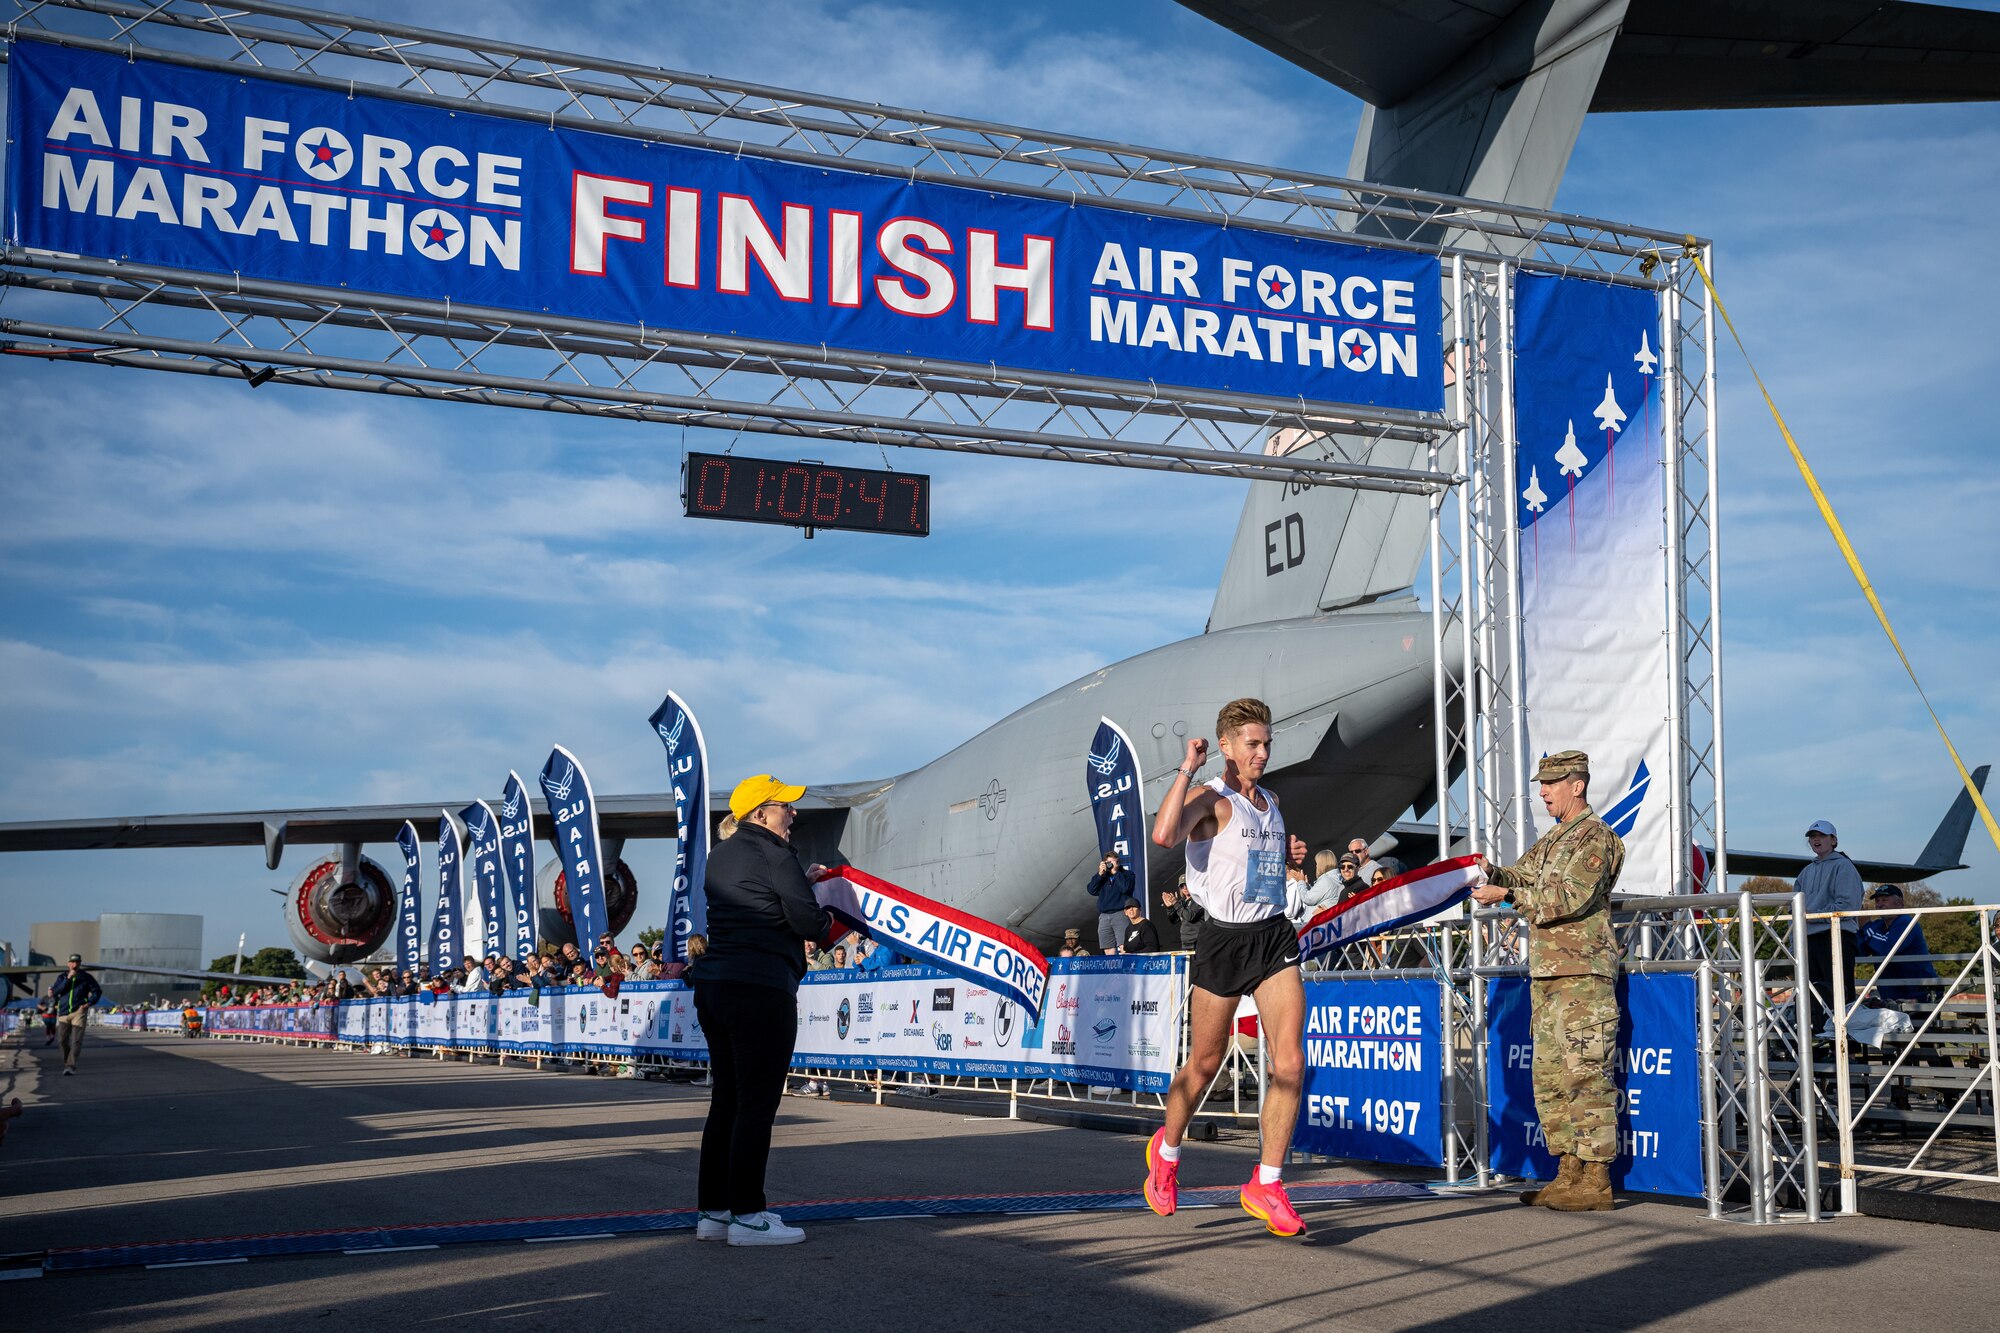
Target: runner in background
[(1237, 854)]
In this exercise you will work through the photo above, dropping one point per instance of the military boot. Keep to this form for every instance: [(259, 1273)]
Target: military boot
[(1589, 1191), (1565, 1174)]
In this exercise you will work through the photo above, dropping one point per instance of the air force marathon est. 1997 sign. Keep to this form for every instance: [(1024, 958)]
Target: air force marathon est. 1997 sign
[(140, 161)]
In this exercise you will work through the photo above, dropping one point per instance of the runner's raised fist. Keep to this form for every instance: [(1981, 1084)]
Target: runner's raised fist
[(1197, 752)]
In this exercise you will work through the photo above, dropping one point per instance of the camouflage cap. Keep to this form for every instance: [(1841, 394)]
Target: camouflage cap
[(1563, 764)]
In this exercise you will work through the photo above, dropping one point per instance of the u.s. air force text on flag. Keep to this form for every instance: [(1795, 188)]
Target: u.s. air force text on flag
[(409, 926), (134, 159), (573, 811), (445, 927), (482, 858), (1117, 803), (1394, 903), (687, 765), (1592, 508), (517, 857), (917, 927)]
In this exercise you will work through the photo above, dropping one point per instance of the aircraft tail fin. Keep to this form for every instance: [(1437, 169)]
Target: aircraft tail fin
[(1300, 550), (1946, 849)]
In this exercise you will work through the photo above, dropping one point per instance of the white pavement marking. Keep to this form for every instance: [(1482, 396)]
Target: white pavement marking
[(16, 1274), (893, 1217), (543, 1240)]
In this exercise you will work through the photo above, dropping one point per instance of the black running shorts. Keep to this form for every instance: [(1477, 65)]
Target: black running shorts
[(1236, 960)]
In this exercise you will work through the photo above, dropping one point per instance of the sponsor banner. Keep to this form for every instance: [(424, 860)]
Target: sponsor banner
[(409, 928), (482, 857), (687, 762), (1593, 560), (517, 859), (1117, 804), (574, 814), (918, 927), (447, 946), (1373, 1089), (131, 159), (1658, 1074), (1394, 903), (1111, 1022), (297, 1022)]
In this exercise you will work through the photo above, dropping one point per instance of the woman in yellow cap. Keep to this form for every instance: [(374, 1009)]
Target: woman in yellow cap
[(746, 984)]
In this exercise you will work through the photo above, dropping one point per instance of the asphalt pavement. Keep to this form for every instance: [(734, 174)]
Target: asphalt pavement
[(157, 1138)]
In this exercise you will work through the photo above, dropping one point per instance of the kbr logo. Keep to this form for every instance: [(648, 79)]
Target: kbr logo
[(940, 1036), (942, 1000), (842, 1017)]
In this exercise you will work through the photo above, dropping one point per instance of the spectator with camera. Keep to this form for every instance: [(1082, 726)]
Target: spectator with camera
[(1111, 886)]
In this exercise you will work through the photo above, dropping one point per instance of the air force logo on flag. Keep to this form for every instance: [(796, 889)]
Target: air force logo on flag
[(687, 765)]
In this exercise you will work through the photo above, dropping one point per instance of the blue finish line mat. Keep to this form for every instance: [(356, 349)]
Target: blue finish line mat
[(592, 1226)]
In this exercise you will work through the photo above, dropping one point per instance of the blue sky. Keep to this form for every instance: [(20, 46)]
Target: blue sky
[(214, 598)]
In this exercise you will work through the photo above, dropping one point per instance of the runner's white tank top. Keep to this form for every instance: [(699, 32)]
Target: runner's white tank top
[(1224, 873)]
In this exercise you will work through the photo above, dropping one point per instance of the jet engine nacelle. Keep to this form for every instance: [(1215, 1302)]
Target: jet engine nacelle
[(621, 889), (335, 922)]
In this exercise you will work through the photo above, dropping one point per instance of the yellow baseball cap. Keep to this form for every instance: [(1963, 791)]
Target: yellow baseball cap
[(760, 790)]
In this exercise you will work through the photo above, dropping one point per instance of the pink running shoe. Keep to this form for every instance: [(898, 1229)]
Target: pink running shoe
[(1270, 1205), (1163, 1191)]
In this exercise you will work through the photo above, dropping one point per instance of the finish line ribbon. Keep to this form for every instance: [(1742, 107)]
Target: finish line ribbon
[(946, 938), (1409, 897)]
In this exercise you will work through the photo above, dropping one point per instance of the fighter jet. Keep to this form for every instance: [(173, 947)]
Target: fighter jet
[(1648, 363), (1570, 458), (1537, 498), (1610, 416)]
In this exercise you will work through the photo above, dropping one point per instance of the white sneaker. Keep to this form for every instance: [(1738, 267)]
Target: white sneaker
[(711, 1226), (765, 1228)]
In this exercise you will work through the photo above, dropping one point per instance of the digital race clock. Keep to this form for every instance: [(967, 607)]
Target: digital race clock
[(806, 495)]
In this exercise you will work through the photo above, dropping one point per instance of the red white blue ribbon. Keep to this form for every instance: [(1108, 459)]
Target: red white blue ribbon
[(1408, 898), (946, 938)]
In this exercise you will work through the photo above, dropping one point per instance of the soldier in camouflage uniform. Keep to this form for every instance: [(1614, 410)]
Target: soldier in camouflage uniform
[(1562, 889)]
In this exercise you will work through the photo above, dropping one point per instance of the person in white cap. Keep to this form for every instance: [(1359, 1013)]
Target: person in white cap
[(1830, 883)]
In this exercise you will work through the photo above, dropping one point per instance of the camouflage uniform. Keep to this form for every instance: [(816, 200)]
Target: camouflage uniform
[(1562, 889)]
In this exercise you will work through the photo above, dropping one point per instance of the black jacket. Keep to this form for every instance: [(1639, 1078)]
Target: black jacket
[(1188, 915), (760, 911), (1141, 937)]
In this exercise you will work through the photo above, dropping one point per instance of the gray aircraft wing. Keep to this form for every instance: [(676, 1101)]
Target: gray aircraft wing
[(1668, 55), (1943, 852), (638, 815)]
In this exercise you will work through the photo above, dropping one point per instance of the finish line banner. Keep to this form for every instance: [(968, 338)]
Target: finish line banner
[(1373, 1087), (134, 160), (918, 927), (1658, 1075)]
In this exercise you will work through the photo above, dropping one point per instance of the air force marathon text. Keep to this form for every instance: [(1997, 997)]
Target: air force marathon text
[(148, 163)]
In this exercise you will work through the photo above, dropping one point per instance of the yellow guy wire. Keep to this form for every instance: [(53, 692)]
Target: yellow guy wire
[(1840, 538)]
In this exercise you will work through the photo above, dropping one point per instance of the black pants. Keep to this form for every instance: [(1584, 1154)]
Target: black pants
[(1819, 973), (751, 1031)]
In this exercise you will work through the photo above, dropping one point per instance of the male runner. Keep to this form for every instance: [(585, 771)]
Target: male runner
[(1237, 852)]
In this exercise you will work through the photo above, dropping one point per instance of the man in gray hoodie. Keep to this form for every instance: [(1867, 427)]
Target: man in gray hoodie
[(1830, 883)]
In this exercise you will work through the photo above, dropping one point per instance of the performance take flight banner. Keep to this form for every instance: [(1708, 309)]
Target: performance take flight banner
[(1593, 556), (225, 173)]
